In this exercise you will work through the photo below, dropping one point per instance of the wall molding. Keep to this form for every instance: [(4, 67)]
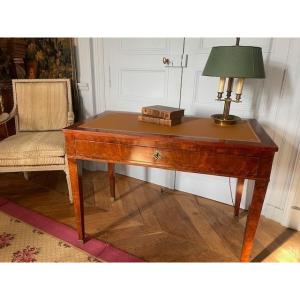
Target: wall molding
[(91, 82), (98, 74)]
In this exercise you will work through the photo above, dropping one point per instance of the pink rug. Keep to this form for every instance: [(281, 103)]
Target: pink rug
[(99, 249)]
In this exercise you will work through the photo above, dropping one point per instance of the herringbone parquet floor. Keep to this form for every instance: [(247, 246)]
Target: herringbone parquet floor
[(158, 226)]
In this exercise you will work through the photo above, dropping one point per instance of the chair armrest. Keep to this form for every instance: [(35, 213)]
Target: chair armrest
[(10, 116)]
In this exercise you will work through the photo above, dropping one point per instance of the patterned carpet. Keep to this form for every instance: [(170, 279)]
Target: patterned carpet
[(20, 242), (26, 236)]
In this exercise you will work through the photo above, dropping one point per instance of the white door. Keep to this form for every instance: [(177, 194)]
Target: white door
[(135, 76), (198, 94)]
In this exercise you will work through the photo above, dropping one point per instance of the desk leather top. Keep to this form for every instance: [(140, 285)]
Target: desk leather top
[(126, 122)]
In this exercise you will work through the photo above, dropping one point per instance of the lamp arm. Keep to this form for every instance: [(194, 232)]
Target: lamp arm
[(229, 87)]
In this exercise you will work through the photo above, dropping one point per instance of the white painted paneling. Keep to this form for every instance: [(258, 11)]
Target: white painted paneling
[(279, 113), (91, 82), (135, 75), (85, 79), (90, 75), (291, 213), (204, 45), (98, 74), (145, 45), (152, 84)]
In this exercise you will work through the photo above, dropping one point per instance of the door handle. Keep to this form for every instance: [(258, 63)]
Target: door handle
[(166, 61), (183, 63)]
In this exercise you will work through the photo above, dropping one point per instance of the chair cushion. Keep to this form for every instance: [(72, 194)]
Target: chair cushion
[(33, 148)]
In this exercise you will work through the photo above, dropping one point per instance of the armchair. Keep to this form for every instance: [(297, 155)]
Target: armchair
[(42, 107)]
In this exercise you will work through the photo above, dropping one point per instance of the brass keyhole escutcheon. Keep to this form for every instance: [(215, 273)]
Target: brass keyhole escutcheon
[(156, 155)]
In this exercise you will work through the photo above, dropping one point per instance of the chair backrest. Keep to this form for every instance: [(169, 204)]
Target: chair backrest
[(42, 104)]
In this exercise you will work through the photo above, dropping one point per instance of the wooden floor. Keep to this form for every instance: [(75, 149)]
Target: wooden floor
[(158, 226)]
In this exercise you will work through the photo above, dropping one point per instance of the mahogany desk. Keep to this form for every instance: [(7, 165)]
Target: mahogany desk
[(244, 151)]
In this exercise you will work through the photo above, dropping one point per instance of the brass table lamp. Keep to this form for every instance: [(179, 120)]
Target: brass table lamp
[(228, 63)]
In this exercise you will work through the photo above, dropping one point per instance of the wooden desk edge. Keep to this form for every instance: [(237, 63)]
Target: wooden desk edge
[(266, 143)]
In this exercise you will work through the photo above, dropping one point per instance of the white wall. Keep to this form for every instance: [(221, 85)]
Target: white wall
[(277, 109), (89, 53), (279, 113)]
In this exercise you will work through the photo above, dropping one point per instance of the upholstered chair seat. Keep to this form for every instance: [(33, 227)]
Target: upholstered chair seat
[(42, 108), (33, 149)]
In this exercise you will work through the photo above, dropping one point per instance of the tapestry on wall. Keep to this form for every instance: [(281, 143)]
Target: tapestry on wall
[(50, 58), (39, 58)]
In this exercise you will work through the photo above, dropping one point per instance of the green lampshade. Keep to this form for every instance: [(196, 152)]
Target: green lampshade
[(235, 61)]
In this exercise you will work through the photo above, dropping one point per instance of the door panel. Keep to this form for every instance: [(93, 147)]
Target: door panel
[(135, 76), (198, 94)]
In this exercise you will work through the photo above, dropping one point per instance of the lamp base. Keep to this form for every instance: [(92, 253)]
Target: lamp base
[(230, 120)]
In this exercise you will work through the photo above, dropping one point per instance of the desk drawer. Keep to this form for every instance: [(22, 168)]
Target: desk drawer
[(181, 160)]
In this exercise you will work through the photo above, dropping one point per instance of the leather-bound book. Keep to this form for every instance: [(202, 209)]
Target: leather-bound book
[(164, 122), (163, 112)]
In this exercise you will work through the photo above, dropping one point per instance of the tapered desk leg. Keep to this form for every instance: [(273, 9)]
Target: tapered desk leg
[(259, 193), (76, 186), (238, 196), (111, 175)]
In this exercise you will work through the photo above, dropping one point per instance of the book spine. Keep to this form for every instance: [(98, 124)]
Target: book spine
[(156, 113), (176, 114), (159, 121), (168, 115)]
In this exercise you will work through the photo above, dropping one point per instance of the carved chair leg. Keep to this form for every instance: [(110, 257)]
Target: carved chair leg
[(112, 180), (256, 205), (69, 186), (238, 196), (76, 187)]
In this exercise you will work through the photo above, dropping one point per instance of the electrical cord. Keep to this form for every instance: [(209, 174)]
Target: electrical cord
[(229, 181)]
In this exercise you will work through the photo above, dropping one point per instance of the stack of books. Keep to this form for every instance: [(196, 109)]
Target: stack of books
[(162, 115)]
